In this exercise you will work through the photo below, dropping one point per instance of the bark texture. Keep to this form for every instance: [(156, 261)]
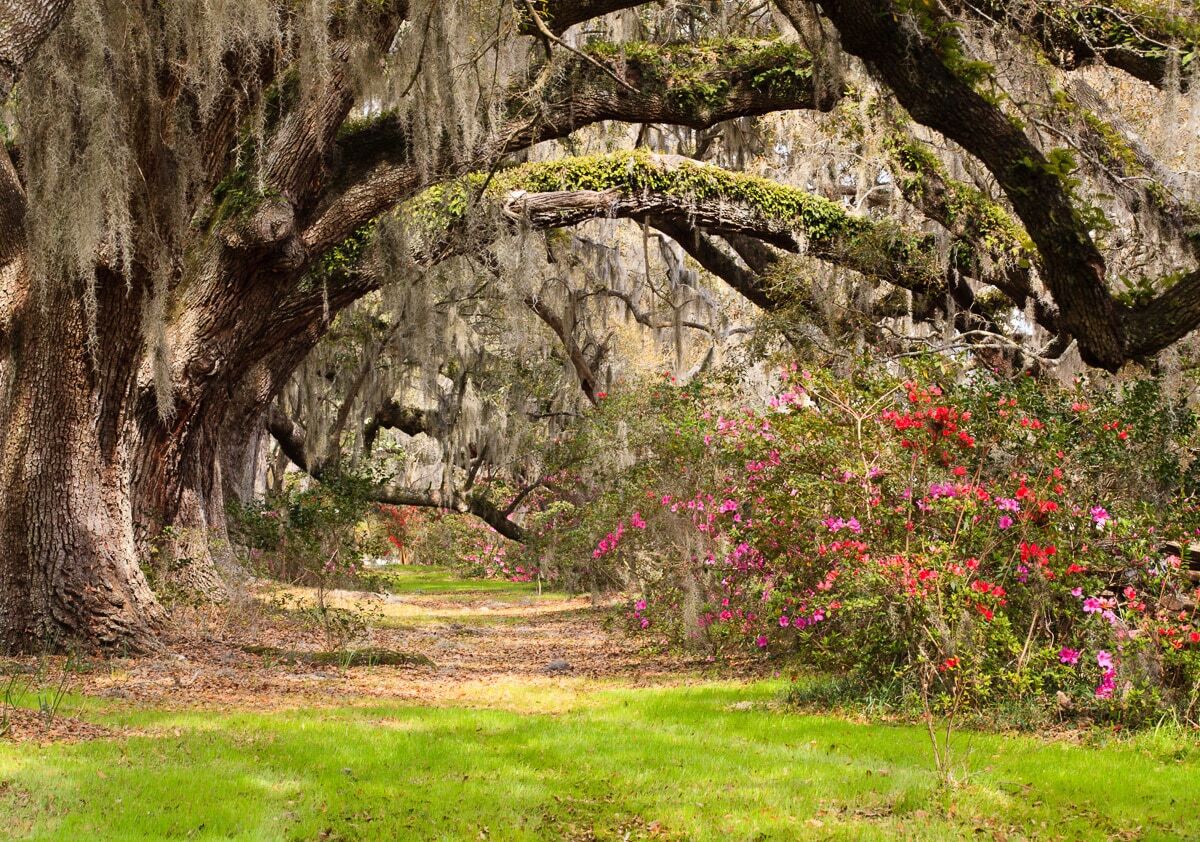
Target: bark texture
[(24, 25), (69, 571)]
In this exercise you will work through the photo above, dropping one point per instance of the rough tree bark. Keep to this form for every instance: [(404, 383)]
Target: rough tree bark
[(69, 569), (24, 25)]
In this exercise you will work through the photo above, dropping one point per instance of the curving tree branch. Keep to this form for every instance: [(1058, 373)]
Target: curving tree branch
[(686, 85), (920, 75), (24, 26), (291, 439), (1146, 40)]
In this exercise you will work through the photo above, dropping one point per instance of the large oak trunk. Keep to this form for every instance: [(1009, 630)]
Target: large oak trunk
[(68, 566), (179, 493)]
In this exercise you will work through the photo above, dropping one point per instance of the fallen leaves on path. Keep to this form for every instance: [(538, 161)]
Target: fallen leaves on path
[(34, 726), (528, 652)]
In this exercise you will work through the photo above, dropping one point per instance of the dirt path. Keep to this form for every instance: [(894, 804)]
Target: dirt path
[(481, 648)]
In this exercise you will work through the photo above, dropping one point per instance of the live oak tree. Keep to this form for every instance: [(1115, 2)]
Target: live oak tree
[(192, 191)]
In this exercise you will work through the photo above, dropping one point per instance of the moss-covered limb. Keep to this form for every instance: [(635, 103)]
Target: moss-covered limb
[(641, 185), (991, 246), (962, 209), (1071, 265), (697, 85), (697, 75), (694, 84), (295, 163), (1148, 39), (1143, 183)]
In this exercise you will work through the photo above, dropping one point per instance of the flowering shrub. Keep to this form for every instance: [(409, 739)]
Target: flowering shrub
[(977, 544), (399, 523)]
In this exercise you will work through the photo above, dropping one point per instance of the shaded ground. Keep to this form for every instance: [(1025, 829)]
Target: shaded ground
[(475, 636)]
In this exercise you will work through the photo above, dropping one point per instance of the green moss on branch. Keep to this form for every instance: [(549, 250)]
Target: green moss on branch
[(702, 74), (965, 210), (878, 249)]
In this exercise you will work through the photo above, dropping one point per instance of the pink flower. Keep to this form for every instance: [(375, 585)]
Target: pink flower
[(636, 521), (1008, 504), (837, 524), (1068, 656), (783, 621), (640, 605), (1005, 522), (1100, 516), (761, 641), (1091, 605), (1104, 659), (645, 623)]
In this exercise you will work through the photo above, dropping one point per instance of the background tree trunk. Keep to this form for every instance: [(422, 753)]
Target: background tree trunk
[(179, 510)]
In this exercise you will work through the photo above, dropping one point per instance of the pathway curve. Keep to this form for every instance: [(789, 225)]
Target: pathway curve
[(481, 646)]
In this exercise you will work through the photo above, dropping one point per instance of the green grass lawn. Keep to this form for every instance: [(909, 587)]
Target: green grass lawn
[(427, 579), (605, 763)]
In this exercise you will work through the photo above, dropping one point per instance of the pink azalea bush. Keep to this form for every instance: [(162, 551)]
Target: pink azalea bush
[(990, 543)]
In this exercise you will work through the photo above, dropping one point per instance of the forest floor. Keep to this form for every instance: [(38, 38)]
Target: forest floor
[(516, 715)]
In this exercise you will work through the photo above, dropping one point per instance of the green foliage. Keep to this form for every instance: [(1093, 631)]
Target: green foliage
[(1062, 164), (1152, 30), (1137, 292), (943, 34), (314, 534), (699, 76), (347, 254), (239, 193)]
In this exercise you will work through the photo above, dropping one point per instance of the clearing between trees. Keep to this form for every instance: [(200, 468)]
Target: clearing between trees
[(533, 717)]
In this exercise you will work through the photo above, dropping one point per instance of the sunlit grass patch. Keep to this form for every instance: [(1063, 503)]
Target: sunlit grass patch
[(689, 762), (432, 579)]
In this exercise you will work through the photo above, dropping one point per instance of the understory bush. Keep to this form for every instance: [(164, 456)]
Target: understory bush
[(468, 546), (316, 534), (962, 546)]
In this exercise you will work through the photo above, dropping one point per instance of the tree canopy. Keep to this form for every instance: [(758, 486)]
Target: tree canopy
[(194, 195)]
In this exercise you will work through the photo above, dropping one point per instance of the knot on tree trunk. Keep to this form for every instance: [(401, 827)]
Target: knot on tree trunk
[(271, 224)]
